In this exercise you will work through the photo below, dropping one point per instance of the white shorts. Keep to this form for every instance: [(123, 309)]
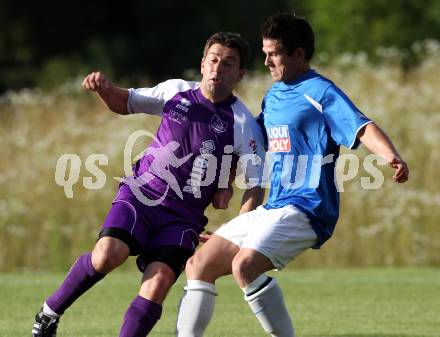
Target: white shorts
[(279, 234)]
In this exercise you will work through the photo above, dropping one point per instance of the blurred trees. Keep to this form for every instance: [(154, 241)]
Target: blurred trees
[(45, 43), (353, 26)]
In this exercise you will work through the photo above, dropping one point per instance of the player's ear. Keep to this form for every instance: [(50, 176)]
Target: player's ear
[(300, 53), (202, 64)]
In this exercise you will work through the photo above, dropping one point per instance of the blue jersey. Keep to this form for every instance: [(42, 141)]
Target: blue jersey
[(306, 121)]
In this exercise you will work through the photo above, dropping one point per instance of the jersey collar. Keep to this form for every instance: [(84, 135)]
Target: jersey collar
[(227, 102)]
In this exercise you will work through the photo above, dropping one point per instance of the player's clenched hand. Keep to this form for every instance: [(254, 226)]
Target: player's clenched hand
[(96, 81), (401, 171)]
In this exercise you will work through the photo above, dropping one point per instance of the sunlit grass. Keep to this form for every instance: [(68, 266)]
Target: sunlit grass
[(331, 303)]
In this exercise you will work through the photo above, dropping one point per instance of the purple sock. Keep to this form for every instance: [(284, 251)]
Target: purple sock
[(80, 278), (141, 316)]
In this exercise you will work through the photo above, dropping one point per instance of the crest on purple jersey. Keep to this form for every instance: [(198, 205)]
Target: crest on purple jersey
[(217, 125)]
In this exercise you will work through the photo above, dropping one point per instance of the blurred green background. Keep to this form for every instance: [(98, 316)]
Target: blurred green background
[(384, 54), (46, 42)]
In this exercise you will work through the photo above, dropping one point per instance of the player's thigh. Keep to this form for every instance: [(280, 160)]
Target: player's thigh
[(248, 264), (128, 221), (281, 235), (212, 260)]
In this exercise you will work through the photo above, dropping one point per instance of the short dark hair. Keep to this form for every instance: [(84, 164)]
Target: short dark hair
[(230, 40), (291, 32)]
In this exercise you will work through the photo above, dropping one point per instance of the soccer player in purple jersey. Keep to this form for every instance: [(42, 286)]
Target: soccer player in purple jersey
[(307, 118), (158, 213)]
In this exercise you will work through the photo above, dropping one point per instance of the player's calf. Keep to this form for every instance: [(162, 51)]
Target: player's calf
[(157, 281)]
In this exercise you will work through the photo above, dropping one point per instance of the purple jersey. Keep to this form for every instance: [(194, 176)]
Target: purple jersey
[(189, 158)]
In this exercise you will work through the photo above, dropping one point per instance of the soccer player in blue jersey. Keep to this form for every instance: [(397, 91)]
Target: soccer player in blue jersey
[(158, 213), (307, 118)]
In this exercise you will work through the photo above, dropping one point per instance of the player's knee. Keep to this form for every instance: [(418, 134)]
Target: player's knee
[(164, 277), (190, 267), (195, 267), (103, 262), (108, 255), (242, 266)]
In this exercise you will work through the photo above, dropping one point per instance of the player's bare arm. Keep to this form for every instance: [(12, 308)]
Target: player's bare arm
[(113, 97), (252, 198), (377, 141)]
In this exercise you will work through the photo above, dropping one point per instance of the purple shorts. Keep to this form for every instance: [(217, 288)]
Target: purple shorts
[(146, 228)]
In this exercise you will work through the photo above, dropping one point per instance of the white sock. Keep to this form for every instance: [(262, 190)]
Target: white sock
[(255, 284), (195, 308), (48, 311), (270, 310)]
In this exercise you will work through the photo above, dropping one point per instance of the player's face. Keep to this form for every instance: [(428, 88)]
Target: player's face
[(220, 72), (283, 67)]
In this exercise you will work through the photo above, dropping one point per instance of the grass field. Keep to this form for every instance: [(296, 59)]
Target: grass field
[(323, 302)]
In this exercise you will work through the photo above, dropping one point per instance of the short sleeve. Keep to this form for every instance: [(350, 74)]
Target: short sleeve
[(248, 141), (152, 100), (342, 117)]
